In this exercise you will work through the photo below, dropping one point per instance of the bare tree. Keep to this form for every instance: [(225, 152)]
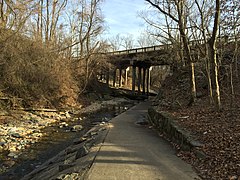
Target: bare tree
[(115, 42), (88, 26), (145, 39), (127, 41), (176, 11), (213, 52), (230, 28), (230, 20), (201, 20), (14, 15)]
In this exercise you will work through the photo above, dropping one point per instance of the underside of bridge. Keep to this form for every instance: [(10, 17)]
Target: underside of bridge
[(137, 66)]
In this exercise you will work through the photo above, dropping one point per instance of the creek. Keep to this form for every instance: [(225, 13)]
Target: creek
[(58, 138)]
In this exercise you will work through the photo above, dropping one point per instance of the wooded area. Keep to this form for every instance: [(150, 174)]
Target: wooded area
[(49, 49), (212, 27)]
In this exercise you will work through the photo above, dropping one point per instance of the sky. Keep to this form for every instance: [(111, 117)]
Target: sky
[(121, 17)]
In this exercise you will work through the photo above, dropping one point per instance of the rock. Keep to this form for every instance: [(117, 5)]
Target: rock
[(36, 131), (105, 119), (93, 133), (73, 176), (13, 155), (102, 123), (63, 124), (2, 143), (58, 117), (37, 135), (12, 147), (200, 154), (69, 150), (83, 151), (196, 143), (16, 135), (102, 129), (32, 141), (35, 119), (80, 140), (67, 115), (3, 113), (95, 123), (77, 128), (233, 178), (9, 163), (60, 177)]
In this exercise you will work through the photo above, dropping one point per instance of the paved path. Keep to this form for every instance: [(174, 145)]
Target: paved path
[(134, 152)]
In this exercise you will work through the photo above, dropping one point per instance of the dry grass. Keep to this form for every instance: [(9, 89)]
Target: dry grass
[(30, 72)]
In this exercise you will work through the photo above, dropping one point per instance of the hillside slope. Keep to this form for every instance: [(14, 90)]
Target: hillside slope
[(219, 131)]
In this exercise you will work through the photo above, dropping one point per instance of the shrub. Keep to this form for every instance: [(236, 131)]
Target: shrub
[(31, 72)]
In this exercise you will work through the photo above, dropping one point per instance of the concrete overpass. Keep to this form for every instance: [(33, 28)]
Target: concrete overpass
[(139, 61)]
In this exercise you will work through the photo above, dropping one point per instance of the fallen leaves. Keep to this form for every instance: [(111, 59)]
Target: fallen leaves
[(219, 131)]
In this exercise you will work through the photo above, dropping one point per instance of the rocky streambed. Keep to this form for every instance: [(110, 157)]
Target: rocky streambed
[(29, 138)]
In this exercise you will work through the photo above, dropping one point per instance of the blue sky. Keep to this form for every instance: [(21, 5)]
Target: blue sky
[(121, 16)]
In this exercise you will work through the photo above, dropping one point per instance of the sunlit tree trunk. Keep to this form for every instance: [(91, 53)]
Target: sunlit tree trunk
[(206, 51), (47, 22), (53, 22), (213, 54), (41, 20), (182, 28)]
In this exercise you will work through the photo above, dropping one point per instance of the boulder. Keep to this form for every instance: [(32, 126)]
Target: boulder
[(83, 151), (77, 128)]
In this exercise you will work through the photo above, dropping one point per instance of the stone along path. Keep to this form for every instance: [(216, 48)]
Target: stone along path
[(131, 151)]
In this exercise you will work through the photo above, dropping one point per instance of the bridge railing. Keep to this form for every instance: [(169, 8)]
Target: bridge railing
[(140, 50), (164, 47)]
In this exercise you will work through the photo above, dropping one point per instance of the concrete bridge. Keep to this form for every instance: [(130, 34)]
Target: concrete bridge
[(139, 62)]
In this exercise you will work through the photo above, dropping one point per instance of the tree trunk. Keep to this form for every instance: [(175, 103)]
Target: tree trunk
[(41, 21), (190, 62), (206, 52), (51, 36), (213, 54), (47, 23), (2, 14)]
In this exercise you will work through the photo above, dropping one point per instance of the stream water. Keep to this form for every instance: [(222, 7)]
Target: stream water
[(57, 139)]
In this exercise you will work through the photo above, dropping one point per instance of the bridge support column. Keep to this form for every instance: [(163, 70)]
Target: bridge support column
[(107, 77), (101, 75), (114, 77), (144, 80), (148, 80), (126, 77), (120, 77), (133, 78), (139, 79)]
